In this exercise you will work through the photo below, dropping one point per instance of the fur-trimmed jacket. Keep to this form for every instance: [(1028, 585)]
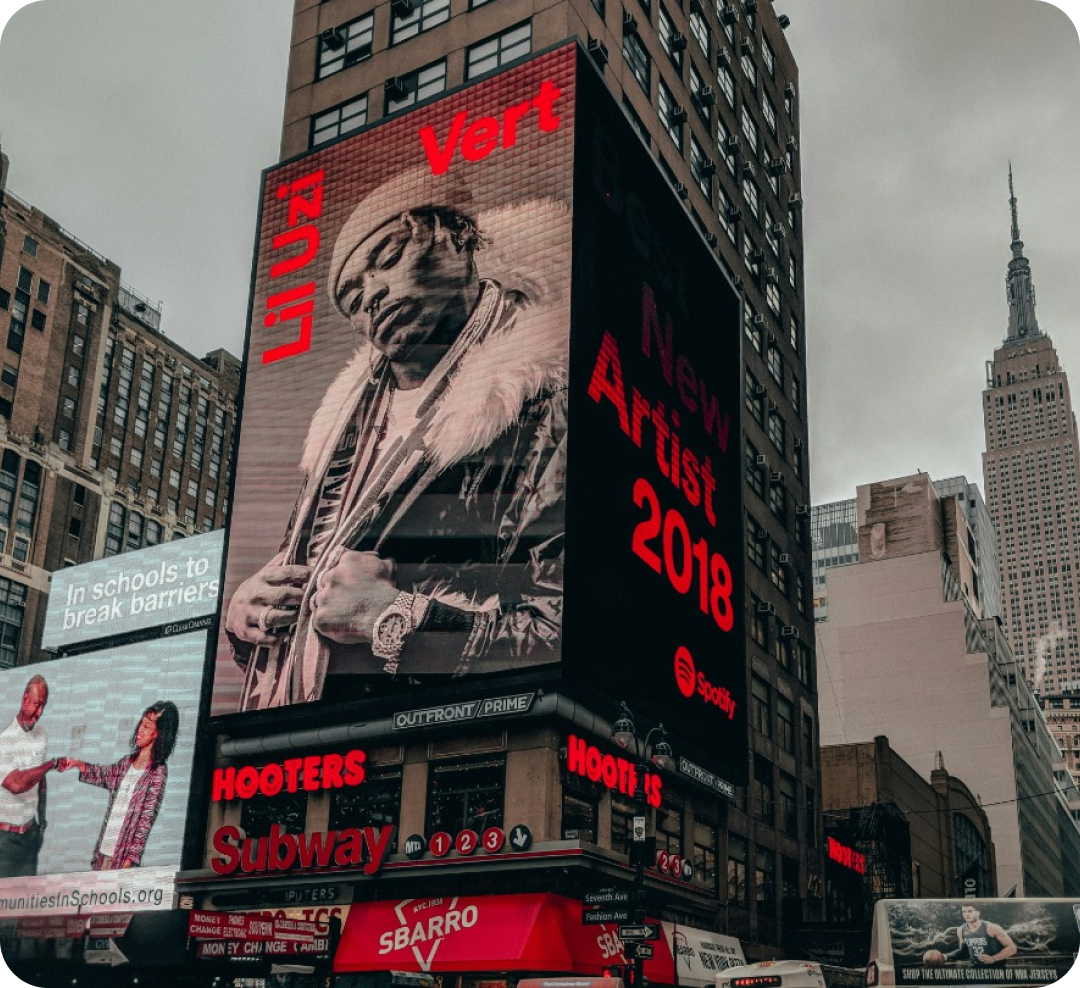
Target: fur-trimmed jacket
[(469, 504)]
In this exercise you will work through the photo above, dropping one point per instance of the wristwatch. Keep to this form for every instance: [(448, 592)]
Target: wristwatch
[(390, 629)]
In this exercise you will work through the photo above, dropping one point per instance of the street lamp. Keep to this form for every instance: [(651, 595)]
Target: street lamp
[(659, 754)]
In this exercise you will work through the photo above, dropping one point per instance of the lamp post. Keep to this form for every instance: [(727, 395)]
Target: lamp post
[(658, 752)]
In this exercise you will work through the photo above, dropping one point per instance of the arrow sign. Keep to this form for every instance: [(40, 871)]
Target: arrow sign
[(521, 838), (607, 897), (644, 931), (99, 952), (644, 951)]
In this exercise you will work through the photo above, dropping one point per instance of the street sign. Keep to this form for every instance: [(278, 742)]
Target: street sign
[(521, 838), (642, 931), (638, 949), (638, 829), (594, 917), (607, 897)]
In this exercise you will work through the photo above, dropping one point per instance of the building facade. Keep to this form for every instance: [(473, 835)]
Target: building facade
[(712, 93), (113, 437), (1031, 468), (905, 653)]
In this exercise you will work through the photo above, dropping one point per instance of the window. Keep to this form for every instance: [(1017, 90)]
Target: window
[(761, 707), (752, 327), (193, 488), (174, 478), (339, 120), (778, 571), (800, 593), (769, 112), (804, 664), (761, 791), (795, 393), (37, 320), (699, 28), (209, 499), (701, 168), (666, 32), (737, 888), (637, 58), (669, 828), (765, 879), (43, 291), (10, 375), (424, 14), (9, 480), (671, 114), (793, 334), (75, 527), (759, 623), (12, 609), (754, 397), (706, 860), (28, 498), (599, 7), (793, 271), (749, 129), (725, 144), (465, 795), (30, 245), (579, 810), (751, 198), (377, 803), (73, 375), (754, 470), (726, 213), (772, 295), (767, 56), (747, 63), (115, 528), (155, 467), (136, 457), (808, 747), (755, 547), (287, 809), (502, 49), (702, 104), (777, 431), (346, 45), (418, 86), (785, 720), (789, 815), (116, 446), (775, 361), (725, 79), (778, 501), (17, 327)]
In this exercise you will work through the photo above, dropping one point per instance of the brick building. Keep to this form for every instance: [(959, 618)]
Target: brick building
[(113, 437)]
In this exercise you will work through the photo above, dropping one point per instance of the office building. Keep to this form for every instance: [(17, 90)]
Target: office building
[(1030, 467), (905, 653)]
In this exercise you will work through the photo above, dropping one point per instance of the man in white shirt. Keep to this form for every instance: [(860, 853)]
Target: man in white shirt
[(22, 789)]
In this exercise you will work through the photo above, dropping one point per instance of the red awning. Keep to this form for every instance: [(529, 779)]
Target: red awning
[(533, 932)]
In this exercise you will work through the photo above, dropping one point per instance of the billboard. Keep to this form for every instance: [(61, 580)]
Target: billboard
[(168, 587), (511, 372), (654, 569), (98, 747), (398, 506), (973, 941)]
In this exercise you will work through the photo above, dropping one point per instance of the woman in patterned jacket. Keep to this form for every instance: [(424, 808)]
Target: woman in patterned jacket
[(136, 786)]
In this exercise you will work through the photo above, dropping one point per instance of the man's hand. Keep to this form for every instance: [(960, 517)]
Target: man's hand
[(351, 594), (265, 605), (65, 763)]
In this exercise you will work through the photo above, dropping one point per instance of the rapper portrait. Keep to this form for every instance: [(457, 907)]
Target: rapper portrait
[(427, 537)]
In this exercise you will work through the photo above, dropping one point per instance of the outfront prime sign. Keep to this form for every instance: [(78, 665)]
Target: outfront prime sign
[(513, 380)]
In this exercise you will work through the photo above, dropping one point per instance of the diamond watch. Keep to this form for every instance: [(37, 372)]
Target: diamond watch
[(390, 629)]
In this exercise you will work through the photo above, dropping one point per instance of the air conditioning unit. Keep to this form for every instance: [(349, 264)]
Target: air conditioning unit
[(773, 406), (776, 166), (762, 460), (733, 212), (798, 444), (401, 7), (696, 7), (759, 319), (789, 89), (776, 477), (748, 169), (770, 275), (708, 167), (681, 190), (759, 390), (757, 255), (728, 13), (711, 239), (777, 230), (678, 41), (766, 608), (629, 24), (722, 60), (795, 201), (750, 6), (789, 631), (395, 87), (785, 559), (678, 115), (802, 509), (599, 51), (333, 39), (706, 97), (731, 144), (746, 47), (791, 144)]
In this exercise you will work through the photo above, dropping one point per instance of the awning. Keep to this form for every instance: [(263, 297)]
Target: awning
[(529, 932)]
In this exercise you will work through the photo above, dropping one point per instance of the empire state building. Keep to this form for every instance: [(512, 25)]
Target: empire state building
[(1030, 470)]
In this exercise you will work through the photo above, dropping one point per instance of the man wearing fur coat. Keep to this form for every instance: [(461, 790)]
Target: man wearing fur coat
[(427, 539)]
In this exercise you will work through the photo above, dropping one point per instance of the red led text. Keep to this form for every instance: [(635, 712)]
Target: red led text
[(347, 848), (307, 774), (616, 773), (846, 856)]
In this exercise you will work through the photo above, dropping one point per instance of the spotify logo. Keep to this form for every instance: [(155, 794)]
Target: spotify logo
[(684, 671)]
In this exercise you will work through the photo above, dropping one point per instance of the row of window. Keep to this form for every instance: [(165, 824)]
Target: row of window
[(420, 84)]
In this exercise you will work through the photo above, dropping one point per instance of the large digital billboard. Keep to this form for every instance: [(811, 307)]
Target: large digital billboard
[(491, 419), (95, 769), (655, 573), (398, 516)]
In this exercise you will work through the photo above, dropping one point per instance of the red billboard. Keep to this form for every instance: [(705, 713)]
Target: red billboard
[(398, 510)]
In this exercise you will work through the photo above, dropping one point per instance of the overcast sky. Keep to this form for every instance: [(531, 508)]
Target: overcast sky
[(141, 127)]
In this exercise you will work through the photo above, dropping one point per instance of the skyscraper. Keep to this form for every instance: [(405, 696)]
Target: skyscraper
[(1030, 469)]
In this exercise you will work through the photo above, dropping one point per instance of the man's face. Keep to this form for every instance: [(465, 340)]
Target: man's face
[(970, 914), (408, 286), (33, 705)]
